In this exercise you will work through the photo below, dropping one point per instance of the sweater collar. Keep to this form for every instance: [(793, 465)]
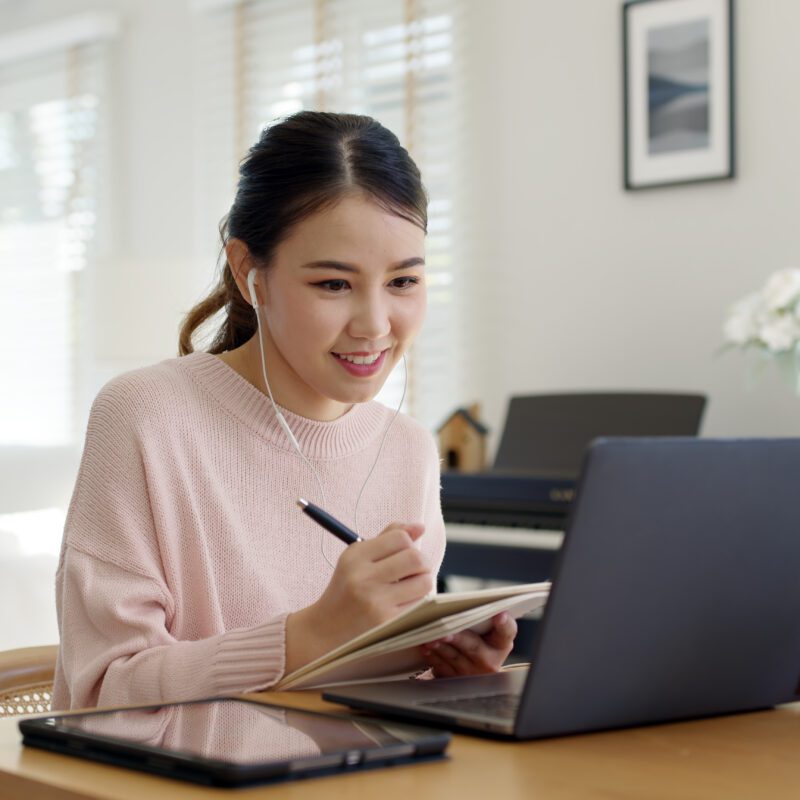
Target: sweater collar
[(348, 434)]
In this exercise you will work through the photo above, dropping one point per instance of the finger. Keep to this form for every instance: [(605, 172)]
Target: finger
[(409, 590), (413, 529), (398, 566), (503, 632), (471, 646), (441, 669), (392, 540), (473, 649), (456, 659)]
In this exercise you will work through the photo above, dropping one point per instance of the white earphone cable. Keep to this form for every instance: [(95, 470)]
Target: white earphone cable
[(293, 440), (281, 420), (383, 440)]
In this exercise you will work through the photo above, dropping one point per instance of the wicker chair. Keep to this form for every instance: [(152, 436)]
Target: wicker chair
[(26, 680)]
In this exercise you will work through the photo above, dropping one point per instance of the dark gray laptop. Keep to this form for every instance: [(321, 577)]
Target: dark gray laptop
[(676, 594)]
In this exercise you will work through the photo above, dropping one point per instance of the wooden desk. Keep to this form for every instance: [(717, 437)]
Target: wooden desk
[(748, 756)]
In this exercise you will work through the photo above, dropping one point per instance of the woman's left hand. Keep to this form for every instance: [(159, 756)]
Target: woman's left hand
[(467, 653)]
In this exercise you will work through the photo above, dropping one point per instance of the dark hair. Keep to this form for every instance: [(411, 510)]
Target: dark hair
[(300, 165)]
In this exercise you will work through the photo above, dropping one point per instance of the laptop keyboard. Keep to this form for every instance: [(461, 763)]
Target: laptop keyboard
[(503, 706)]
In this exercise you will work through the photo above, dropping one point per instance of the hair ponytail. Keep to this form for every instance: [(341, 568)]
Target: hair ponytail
[(240, 319)]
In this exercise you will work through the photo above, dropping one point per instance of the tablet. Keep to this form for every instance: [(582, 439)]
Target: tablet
[(233, 742)]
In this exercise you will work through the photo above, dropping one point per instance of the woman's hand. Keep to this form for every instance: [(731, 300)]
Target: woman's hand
[(373, 581), (466, 653)]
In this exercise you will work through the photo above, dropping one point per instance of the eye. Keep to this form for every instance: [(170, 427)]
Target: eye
[(406, 282), (334, 285)]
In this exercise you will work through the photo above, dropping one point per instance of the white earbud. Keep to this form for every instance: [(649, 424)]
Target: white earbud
[(251, 285)]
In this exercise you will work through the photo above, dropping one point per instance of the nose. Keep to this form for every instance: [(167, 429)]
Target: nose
[(370, 318)]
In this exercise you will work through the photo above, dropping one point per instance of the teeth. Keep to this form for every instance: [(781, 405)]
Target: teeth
[(360, 359)]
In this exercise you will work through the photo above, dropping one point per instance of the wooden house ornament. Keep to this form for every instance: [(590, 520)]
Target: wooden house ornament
[(462, 441)]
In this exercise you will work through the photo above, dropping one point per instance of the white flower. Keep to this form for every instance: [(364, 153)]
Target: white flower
[(742, 325), (780, 333), (769, 321), (782, 290)]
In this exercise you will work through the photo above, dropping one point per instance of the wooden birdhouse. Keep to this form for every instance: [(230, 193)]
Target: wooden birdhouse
[(462, 441)]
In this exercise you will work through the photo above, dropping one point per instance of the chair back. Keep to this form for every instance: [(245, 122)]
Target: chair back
[(26, 680)]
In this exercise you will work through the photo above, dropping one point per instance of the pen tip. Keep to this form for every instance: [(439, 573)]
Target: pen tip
[(302, 503)]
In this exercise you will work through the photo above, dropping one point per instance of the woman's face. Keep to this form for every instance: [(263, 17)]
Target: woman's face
[(342, 301)]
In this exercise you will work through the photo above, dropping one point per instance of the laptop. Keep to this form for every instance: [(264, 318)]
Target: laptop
[(676, 595)]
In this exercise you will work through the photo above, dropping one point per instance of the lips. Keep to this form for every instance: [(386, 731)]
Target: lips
[(361, 364), (359, 358)]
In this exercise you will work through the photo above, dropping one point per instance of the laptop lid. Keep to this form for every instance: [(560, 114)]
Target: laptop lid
[(677, 590)]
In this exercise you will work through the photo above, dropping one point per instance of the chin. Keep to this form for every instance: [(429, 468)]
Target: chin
[(355, 390), (362, 395)]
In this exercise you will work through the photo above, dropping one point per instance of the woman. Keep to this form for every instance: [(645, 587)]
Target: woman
[(186, 569)]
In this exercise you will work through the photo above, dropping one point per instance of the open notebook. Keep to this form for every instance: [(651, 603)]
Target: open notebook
[(391, 649)]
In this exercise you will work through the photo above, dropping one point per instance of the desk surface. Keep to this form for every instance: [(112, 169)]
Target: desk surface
[(743, 756)]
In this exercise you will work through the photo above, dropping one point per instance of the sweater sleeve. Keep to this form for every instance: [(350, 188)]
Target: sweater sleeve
[(113, 601), (116, 648)]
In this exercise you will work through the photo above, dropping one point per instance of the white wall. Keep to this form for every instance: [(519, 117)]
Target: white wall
[(577, 283), (583, 285)]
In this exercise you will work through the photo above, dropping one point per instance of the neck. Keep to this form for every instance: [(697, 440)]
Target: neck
[(288, 391)]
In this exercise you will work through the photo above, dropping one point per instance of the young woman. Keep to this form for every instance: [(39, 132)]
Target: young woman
[(187, 569)]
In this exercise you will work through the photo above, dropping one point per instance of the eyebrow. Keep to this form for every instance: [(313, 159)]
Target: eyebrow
[(342, 267)]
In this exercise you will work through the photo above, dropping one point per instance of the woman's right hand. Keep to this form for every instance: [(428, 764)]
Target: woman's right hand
[(373, 581)]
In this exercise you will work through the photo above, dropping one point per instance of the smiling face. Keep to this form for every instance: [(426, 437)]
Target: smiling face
[(341, 302)]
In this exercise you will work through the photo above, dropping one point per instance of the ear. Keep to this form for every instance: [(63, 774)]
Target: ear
[(240, 262)]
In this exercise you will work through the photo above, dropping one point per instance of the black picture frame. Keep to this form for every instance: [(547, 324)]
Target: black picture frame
[(678, 92)]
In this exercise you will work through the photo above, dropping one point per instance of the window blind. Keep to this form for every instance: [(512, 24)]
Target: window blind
[(51, 138), (395, 60)]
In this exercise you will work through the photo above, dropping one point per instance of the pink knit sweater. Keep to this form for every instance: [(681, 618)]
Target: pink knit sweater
[(183, 548)]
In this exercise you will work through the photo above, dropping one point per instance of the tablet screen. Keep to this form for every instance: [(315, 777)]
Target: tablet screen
[(231, 740), (237, 732)]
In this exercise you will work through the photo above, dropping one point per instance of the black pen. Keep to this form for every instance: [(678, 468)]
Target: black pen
[(329, 523)]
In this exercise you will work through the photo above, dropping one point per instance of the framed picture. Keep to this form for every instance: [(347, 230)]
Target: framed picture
[(678, 91)]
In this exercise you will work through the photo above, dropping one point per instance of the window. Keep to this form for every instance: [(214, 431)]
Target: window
[(396, 61), (51, 136), (52, 144)]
